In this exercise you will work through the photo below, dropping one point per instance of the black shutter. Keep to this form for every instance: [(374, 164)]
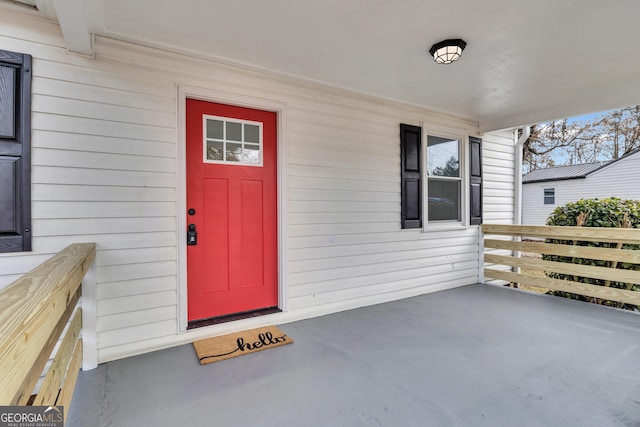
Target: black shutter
[(15, 152), (411, 192), (475, 181)]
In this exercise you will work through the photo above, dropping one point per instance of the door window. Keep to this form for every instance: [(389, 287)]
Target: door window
[(232, 141)]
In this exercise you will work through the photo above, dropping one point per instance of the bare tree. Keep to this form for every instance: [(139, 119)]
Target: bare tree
[(623, 128), (563, 142)]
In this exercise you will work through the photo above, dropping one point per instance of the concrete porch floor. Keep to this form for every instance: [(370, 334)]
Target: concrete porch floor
[(474, 356)]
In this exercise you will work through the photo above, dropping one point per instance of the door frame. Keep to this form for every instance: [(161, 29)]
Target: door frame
[(192, 92)]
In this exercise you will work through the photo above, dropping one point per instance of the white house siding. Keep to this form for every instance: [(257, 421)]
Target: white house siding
[(105, 169), (498, 156), (618, 179), (534, 211)]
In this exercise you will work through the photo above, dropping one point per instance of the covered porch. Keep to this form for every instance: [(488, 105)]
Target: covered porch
[(479, 355), (109, 167)]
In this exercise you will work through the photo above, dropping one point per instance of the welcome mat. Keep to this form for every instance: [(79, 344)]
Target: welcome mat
[(233, 345)]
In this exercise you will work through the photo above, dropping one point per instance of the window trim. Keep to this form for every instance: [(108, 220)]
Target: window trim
[(544, 196), (463, 143), (225, 140)]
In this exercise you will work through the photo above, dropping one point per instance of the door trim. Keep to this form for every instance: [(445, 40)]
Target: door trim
[(184, 92)]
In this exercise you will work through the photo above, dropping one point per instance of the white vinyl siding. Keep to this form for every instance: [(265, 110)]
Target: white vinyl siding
[(498, 183), (498, 158), (105, 170)]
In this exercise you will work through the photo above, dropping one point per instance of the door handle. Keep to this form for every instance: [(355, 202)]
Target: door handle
[(192, 235)]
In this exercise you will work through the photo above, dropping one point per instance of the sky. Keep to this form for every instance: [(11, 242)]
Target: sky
[(586, 117)]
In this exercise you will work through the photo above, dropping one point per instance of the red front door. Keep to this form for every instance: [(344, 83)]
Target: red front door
[(231, 203)]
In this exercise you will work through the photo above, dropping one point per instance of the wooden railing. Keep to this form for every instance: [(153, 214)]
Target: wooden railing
[(571, 236), (34, 311)]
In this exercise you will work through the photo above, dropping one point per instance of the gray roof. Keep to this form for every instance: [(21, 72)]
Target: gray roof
[(559, 173)]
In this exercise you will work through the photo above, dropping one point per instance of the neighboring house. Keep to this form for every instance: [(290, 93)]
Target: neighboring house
[(212, 187), (545, 189)]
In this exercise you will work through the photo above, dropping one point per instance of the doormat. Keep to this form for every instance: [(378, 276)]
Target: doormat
[(233, 345)]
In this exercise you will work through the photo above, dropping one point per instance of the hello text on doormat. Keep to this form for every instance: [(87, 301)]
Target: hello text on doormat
[(233, 345)]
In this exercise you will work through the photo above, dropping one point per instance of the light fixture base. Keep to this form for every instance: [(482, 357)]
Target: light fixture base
[(447, 51)]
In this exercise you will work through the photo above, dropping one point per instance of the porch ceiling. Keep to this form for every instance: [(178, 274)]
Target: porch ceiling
[(525, 61)]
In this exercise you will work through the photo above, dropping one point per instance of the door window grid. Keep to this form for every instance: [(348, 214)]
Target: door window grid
[(232, 141)]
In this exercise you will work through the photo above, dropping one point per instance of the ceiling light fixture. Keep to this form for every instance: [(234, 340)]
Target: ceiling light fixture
[(447, 51)]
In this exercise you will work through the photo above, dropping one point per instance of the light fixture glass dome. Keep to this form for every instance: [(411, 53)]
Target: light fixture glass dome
[(447, 51)]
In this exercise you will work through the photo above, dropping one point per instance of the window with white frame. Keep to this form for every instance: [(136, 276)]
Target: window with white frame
[(444, 179), (549, 196), (436, 171), (232, 141)]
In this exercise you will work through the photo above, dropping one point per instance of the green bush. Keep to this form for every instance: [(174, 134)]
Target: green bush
[(612, 212)]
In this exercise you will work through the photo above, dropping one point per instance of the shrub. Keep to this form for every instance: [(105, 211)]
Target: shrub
[(612, 212)]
